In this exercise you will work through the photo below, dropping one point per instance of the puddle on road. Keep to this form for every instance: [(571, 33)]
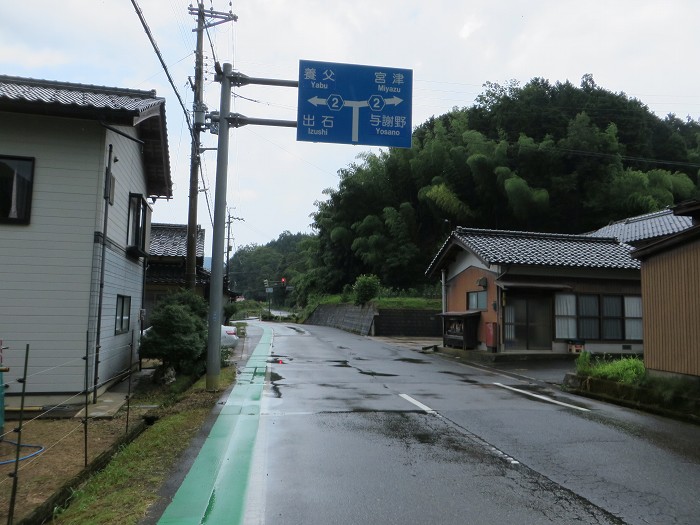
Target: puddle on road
[(412, 360), (274, 377), (376, 374), (464, 378)]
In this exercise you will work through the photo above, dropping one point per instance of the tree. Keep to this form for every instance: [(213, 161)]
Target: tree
[(178, 333), (366, 288)]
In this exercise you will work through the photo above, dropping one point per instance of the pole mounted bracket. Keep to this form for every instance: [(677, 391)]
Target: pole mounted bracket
[(237, 120)]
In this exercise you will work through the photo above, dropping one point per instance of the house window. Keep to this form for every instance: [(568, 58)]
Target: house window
[(123, 314), (476, 300), (565, 316), (613, 318), (633, 318), (16, 178), (588, 317), (598, 317), (139, 231)]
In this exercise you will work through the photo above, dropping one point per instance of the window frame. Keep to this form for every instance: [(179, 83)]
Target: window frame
[(138, 230), (626, 320), (122, 317), (28, 171), (479, 295)]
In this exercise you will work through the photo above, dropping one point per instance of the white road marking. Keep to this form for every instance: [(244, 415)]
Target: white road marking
[(543, 398), (476, 439), (418, 404)]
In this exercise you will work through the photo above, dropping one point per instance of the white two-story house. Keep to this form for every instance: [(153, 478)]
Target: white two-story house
[(80, 167)]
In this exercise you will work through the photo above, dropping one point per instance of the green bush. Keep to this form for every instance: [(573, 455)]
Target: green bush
[(346, 294), (366, 288), (229, 311), (178, 333), (177, 337)]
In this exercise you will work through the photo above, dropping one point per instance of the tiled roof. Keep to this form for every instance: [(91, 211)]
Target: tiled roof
[(539, 249), (170, 240), (115, 106), (66, 94), (645, 227), (173, 274)]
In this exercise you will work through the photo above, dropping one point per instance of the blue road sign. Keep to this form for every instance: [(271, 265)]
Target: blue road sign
[(353, 104)]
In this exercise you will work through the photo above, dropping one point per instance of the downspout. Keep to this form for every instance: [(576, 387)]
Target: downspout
[(98, 332)]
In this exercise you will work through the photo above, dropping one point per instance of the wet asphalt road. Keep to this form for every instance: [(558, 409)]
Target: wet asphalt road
[(354, 430)]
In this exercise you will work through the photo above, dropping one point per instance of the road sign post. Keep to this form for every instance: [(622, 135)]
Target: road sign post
[(354, 104)]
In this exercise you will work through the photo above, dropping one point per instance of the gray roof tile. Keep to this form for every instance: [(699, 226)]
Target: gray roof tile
[(545, 249), (645, 227), (118, 106), (170, 240), (64, 93)]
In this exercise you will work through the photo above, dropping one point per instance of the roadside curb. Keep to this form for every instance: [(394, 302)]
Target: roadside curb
[(479, 356), (631, 397)]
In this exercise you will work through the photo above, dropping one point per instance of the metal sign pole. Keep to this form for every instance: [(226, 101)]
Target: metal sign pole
[(216, 288)]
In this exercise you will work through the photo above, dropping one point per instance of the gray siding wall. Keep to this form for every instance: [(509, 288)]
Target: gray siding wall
[(123, 275), (49, 277)]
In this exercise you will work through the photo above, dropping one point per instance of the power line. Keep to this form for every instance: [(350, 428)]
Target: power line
[(162, 62)]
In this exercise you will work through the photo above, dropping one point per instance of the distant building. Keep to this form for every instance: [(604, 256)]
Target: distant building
[(517, 291), (511, 291), (166, 270)]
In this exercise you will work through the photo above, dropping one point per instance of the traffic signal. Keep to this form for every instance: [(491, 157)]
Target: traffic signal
[(265, 281), (284, 281)]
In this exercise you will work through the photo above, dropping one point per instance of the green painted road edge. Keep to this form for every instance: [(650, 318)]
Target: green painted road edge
[(214, 489)]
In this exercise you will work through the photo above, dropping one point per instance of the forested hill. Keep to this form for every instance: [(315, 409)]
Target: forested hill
[(541, 157)]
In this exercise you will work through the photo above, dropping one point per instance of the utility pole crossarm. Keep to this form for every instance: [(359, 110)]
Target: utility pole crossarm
[(237, 120), (239, 79), (217, 15)]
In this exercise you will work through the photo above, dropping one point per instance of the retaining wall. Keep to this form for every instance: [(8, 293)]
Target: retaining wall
[(367, 320)]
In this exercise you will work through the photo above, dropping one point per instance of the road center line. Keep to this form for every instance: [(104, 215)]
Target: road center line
[(543, 398), (418, 404)]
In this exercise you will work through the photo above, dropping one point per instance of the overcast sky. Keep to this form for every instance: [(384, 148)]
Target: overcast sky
[(646, 49)]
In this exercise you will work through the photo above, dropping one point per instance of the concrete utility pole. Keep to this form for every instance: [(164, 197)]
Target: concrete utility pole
[(191, 259), (217, 250), (199, 109)]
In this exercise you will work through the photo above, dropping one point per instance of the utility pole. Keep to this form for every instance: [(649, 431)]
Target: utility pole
[(199, 110), (191, 258), (226, 120)]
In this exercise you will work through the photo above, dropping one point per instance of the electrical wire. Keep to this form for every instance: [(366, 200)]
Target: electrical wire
[(162, 63)]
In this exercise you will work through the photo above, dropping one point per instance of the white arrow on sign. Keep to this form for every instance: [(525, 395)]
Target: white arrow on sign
[(317, 101), (355, 105)]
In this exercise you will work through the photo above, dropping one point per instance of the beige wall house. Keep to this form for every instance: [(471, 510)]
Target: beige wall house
[(509, 291), (80, 167)]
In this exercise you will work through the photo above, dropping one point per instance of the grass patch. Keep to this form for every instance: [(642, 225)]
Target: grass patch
[(670, 391), (127, 487), (409, 303), (627, 370)]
